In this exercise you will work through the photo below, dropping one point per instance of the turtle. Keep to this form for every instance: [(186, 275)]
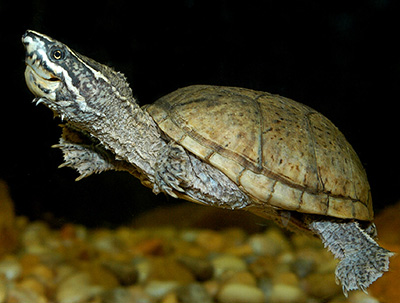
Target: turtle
[(227, 147)]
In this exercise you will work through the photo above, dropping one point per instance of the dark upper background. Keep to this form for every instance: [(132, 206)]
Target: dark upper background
[(339, 57)]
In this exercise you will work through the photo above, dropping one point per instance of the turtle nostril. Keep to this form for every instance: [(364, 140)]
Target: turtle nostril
[(26, 39)]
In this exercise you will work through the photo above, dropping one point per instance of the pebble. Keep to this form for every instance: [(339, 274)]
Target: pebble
[(305, 262), (240, 293), (104, 241), (212, 287), (227, 263), (3, 290), (288, 278), (18, 294), (158, 289), (167, 269), (76, 288), (117, 295), (41, 273), (144, 268), (193, 293), (263, 266), (210, 240), (36, 235), (10, 267), (361, 297), (284, 293), (170, 298), (167, 265), (271, 243), (126, 273), (202, 269), (34, 285), (101, 276), (243, 277), (150, 247), (138, 295)]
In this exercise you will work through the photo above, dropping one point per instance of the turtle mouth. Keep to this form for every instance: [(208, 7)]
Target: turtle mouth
[(41, 82), (40, 77)]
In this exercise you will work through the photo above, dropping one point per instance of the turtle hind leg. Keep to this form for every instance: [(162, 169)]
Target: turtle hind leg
[(362, 260), (181, 174)]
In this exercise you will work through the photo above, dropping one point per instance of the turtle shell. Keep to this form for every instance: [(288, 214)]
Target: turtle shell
[(280, 152)]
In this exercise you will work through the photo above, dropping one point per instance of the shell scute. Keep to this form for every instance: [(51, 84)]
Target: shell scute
[(279, 151)]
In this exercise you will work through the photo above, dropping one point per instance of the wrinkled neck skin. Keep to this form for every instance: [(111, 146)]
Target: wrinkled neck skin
[(130, 133), (93, 98), (119, 124)]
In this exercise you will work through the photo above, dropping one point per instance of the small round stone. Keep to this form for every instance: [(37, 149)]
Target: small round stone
[(126, 273), (361, 297), (242, 277), (283, 293), (271, 243), (117, 295), (167, 269), (240, 293), (158, 289), (210, 240), (201, 268), (3, 290), (18, 294), (193, 293), (227, 263), (34, 285), (287, 277), (76, 288), (10, 267)]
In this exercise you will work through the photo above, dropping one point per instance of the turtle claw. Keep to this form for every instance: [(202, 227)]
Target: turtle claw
[(65, 164), (81, 177), (171, 171), (167, 183), (170, 192)]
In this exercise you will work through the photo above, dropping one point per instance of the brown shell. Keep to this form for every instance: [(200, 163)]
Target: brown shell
[(279, 151)]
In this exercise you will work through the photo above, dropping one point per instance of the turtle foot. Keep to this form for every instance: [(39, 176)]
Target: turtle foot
[(83, 154), (362, 260), (85, 159), (359, 269), (171, 170)]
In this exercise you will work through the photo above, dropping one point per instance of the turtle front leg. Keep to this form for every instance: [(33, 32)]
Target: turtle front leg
[(83, 154), (362, 260), (181, 174)]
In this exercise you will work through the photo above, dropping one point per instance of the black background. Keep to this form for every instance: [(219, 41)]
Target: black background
[(339, 57)]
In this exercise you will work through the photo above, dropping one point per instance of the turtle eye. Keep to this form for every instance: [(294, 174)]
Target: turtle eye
[(57, 54)]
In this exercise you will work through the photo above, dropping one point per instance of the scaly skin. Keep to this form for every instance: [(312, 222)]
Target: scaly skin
[(362, 260), (106, 129)]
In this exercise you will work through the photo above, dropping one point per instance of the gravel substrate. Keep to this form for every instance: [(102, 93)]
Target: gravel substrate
[(167, 264)]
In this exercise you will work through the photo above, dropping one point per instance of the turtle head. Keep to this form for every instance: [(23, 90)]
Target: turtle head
[(73, 86)]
